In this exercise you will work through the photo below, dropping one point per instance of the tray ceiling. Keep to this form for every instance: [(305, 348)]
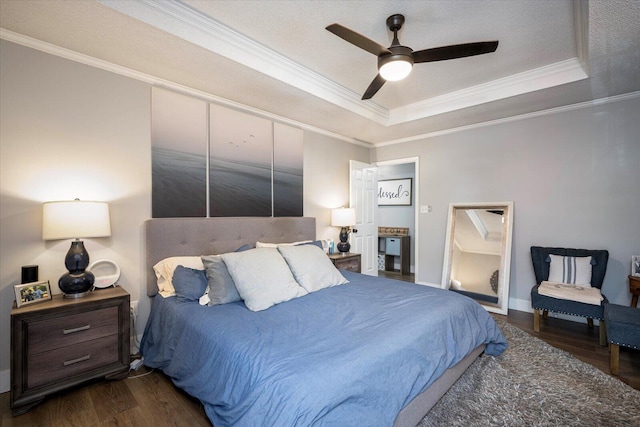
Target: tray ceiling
[(276, 56)]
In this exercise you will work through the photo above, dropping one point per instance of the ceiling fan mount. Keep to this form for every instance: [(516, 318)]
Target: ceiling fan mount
[(396, 61), (394, 22)]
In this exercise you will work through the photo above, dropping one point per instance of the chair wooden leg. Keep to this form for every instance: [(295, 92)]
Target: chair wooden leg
[(536, 320), (615, 358), (603, 333), (590, 322)]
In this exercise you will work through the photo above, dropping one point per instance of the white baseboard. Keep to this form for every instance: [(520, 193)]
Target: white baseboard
[(520, 305), (5, 381)]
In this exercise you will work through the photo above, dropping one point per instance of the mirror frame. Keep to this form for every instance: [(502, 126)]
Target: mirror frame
[(502, 306)]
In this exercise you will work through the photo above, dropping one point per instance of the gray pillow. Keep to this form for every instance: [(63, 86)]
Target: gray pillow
[(311, 267), (222, 290), (262, 277)]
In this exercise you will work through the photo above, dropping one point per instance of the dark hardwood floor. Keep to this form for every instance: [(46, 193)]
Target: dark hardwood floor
[(153, 400), (397, 275)]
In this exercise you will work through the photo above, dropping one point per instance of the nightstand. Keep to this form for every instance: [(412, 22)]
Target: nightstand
[(346, 261), (63, 342)]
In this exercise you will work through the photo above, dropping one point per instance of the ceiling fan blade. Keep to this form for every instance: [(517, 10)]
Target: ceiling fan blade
[(357, 39), (374, 87), (454, 51)]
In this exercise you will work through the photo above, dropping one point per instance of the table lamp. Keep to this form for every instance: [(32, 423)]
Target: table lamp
[(345, 218), (75, 219)]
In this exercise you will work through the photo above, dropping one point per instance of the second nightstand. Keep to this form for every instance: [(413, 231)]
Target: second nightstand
[(346, 261)]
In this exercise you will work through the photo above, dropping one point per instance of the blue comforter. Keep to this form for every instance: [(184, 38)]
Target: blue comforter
[(354, 354)]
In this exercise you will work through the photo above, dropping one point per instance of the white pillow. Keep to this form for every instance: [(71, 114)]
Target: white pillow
[(275, 245), (311, 267), (262, 278), (569, 269), (165, 268)]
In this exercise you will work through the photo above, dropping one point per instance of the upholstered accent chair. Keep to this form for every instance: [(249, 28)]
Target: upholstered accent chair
[(541, 258)]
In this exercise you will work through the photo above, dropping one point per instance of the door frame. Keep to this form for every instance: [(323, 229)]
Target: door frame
[(416, 207)]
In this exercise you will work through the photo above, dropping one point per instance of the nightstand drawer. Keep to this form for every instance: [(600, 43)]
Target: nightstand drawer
[(350, 264), (62, 363), (347, 261), (50, 334)]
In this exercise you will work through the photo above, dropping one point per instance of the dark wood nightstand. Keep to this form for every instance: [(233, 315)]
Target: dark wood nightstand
[(63, 342), (346, 261)]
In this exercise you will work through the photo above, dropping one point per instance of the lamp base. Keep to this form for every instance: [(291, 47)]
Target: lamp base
[(344, 244), (344, 247), (77, 282), (73, 296)]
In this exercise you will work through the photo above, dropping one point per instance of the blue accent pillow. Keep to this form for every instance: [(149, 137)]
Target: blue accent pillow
[(317, 243), (190, 284)]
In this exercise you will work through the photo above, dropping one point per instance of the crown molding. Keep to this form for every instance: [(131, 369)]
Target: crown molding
[(572, 68), (182, 21), (126, 72), (167, 84), (548, 76), (546, 112)]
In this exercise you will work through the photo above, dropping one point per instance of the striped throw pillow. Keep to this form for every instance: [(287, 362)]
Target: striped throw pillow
[(569, 269)]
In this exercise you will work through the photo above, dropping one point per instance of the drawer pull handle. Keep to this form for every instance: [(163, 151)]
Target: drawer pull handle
[(78, 329), (78, 360)]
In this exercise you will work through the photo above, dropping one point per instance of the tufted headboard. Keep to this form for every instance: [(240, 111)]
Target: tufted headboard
[(167, 237)]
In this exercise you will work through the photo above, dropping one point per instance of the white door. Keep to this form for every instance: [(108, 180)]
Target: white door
[(363, 192)]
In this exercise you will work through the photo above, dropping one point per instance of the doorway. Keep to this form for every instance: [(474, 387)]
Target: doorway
[(399, 222)]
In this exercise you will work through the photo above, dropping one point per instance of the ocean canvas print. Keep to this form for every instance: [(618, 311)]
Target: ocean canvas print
[(287, 170), (210, 160), (178, 155), (240, 163)]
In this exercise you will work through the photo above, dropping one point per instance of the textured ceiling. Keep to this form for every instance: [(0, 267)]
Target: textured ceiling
[(276, 56)]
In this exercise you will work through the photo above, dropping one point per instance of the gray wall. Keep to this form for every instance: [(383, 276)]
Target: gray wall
[(69, 130), (573, 177)]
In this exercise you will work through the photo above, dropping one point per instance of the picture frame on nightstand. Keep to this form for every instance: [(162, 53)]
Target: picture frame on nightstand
[(635, 265), (31, 293)]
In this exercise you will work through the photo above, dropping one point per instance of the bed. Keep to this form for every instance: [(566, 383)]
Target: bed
[(369, 352)]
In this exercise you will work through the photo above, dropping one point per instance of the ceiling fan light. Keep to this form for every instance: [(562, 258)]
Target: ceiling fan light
[(395, 70)]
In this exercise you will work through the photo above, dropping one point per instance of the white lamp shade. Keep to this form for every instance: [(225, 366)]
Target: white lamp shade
[(75, 219), (343, 217), (395, 70)]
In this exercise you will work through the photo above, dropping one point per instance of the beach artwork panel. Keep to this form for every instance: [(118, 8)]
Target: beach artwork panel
[(178, 155), (240, 163), (287, 170)]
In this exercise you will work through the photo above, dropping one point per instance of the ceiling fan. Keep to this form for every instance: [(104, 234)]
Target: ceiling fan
[(396, 61)]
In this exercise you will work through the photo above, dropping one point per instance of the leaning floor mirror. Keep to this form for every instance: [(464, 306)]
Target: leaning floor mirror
[(477, 253)]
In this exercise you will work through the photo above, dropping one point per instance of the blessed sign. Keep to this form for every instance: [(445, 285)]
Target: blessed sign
[(394, 192)]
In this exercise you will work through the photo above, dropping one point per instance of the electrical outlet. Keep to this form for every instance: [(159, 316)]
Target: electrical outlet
[(134, 308)]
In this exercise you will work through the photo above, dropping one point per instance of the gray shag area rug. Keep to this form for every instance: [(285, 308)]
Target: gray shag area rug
[(535, 384)]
